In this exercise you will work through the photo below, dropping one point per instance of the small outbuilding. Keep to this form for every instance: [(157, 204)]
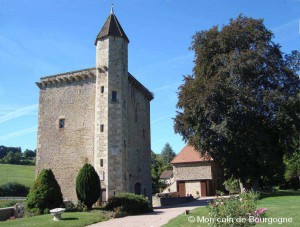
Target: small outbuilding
[(166, 177), (195, 174)]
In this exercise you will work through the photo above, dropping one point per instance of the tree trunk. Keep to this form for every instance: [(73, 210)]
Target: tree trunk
[(241, 186)]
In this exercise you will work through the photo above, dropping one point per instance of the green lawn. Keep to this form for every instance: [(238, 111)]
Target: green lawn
[(17, 173), (8, 203), (76, 219), (282, 204)]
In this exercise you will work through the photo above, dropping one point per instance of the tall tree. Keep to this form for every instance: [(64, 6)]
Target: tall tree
[(236, 103), (167, 153)]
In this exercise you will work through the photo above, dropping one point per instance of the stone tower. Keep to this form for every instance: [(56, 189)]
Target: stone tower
[(110, 111), (99, 115)]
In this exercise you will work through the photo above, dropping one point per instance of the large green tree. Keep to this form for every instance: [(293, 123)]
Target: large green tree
[(240, 102)]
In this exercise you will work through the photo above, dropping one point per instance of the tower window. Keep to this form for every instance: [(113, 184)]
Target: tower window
[(61, 123), (144, 134), (101, 162), (125, 143), (135, 115), (101, 128), (114, 96), (102, 89)]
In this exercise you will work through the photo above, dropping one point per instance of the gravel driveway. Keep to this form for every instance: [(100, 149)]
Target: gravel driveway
[(159, 217)]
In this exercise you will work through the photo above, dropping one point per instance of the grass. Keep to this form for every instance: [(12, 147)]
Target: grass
[(281, 204), (17, 173), (74, 219), (8, 203)]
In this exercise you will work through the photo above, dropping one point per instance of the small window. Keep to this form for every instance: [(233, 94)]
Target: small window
[(144, 134), (102, 89), (114, 96), (114, 150), (101, 162), (125, 143), (101, 128), (135, 115), (61, 123)]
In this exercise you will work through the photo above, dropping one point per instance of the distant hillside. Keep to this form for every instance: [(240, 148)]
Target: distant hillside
[(17, 173)]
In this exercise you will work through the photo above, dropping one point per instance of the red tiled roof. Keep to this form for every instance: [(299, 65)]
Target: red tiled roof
[(189, 154)]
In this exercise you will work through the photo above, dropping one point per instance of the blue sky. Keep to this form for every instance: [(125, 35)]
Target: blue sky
[(46, 37)]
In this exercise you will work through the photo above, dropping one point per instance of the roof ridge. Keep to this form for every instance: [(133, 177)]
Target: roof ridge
[(70, 72)]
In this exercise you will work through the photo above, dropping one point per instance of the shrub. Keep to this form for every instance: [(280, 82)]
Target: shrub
[(232, 185), (88, 186), (129, 203), (13, 189), (45, 194), (240, 209)]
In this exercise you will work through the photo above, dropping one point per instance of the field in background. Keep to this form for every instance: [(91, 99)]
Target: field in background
[(17, 173)]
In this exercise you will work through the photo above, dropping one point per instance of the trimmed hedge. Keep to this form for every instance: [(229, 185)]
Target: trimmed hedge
[(88, 186), (129, 203), (45, 194), (13, 189)]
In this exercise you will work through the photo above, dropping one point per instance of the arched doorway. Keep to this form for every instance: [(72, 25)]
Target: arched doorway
[(137, 188)]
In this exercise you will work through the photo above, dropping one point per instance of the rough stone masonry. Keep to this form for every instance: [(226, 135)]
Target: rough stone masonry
[(100, 116)]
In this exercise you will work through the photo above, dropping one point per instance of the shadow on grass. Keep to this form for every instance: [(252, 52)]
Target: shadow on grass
[(69, 219), (280, 193)]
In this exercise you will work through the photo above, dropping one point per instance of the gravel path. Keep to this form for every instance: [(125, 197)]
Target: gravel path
[(159, 217)]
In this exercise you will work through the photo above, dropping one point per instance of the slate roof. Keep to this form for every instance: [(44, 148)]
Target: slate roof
[(112, 27), (189, 154), (166, 174)]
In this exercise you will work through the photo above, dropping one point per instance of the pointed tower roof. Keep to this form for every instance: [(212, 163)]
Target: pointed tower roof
[(112, 27)]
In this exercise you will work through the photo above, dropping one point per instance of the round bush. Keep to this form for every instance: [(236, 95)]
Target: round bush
[(88, 186), (45, 194), (129, 203)]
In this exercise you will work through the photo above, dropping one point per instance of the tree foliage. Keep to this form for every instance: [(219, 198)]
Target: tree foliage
[(29, 153), (241, 102), (45, 194), (5, 150), (158, 165), (167, 153), (129, 203), (88, 186)]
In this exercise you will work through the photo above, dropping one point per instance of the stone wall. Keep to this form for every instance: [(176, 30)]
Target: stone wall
[(65, 150), (192, 171), (6, 213), (191, 187), (139, 148), (175, 200)]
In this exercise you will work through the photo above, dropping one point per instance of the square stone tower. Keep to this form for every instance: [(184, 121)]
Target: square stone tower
[(101, 116)]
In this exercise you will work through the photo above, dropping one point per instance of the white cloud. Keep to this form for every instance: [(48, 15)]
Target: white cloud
[(166, 87), (18, 133), (162, 118), (27, 110), (171, 62), (291, 25)]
